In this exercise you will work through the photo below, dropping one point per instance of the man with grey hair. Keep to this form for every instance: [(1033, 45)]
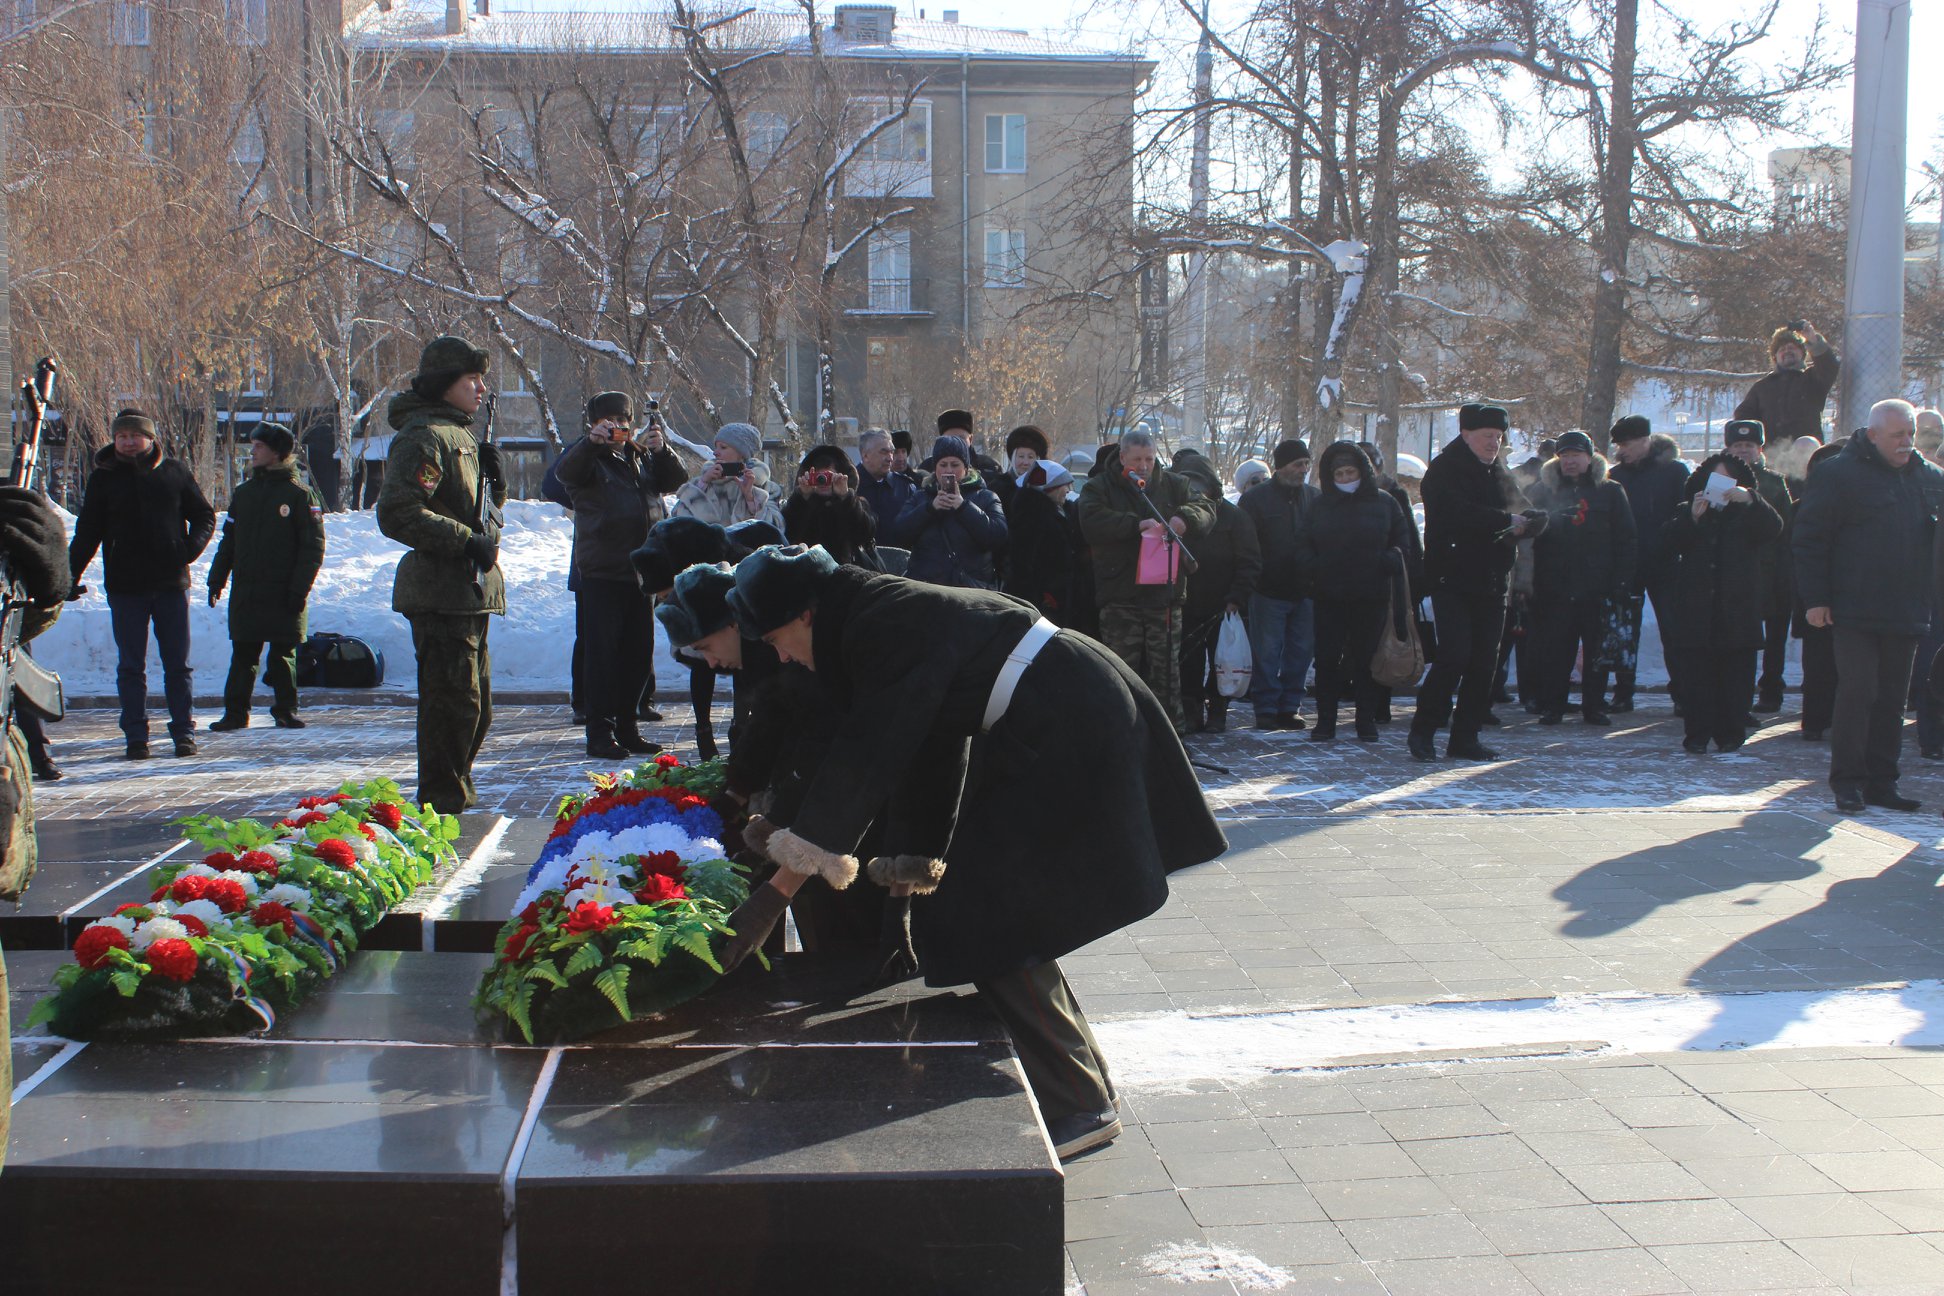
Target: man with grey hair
[(1864, 552), (879, 484), (1129, 504)]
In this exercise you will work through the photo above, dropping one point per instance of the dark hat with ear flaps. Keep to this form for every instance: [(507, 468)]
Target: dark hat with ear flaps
[(698, 606), (776, 585)]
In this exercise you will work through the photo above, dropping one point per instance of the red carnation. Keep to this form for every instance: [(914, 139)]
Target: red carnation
[(589, 917), (220, 860), (92, 945), (667, 760), (174, 959), (122, 909), (159, 892), (190, 886), (258, 862), (690, 803), (272, 914), (304, 820), (531, 914), (666, 862), (336, 852), (657, 887), (227, 893), (388, 814), (195, 925), (517, 945)]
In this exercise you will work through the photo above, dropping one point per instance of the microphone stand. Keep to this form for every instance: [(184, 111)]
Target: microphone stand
[(1187, 558)]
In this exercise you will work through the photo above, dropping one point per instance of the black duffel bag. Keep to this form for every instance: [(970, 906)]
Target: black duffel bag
[(328, 660)]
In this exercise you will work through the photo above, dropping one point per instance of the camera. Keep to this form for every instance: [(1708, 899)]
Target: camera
[(733, 469), (1798, 325), (822, 479)]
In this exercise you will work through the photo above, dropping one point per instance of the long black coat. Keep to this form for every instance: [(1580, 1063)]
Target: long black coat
[(1356, 540), (1231, 563), (149, 520), (1777, 576), (1468, 505), (271, 551), (1718, 564), (1588, 548), (1654, 488), (1058, 827), (1863, 539), (1789, 402), (1040, 554), (843, 524)]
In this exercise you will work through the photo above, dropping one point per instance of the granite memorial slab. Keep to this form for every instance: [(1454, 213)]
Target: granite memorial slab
[(80, 860)]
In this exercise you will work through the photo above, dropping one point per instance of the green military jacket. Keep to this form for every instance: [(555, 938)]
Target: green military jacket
[(429, 501), (272, 548), (18, 853), (1111, 513)]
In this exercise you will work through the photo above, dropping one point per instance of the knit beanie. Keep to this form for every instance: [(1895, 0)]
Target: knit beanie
[(742, 438), (1288, 452)]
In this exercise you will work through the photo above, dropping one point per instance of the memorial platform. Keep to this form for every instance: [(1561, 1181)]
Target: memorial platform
[(377, 1141)]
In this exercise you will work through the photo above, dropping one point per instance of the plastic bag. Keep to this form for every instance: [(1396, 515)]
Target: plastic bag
[(1158, 562), (1233, 663)]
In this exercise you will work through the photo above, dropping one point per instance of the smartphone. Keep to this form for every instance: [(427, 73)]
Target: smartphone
[(733, 469)]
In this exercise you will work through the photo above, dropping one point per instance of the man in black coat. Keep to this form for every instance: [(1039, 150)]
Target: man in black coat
[(1743, 439), (1474, 516), (1788, 400), (1648, 465), (1230, 562), (884, 490), (1864, 540), (616, 484), (1583, 565), (960, 708), (149, 519), (1282, 617)]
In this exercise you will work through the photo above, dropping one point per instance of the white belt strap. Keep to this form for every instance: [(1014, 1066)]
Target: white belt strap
[(1017, 661)]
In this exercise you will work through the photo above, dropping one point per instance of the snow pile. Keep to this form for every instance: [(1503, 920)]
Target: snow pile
[(531, 645), (1184, 1262)]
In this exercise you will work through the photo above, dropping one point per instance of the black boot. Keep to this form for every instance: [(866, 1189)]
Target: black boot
[(1423, 745), (1218, 716), (1469, 748), (632, 741), (230, 721), (1193, 715), (705, 741), (1326, 717), (288, 719), (601, 744)]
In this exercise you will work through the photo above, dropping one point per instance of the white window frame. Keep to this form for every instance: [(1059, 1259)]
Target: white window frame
[(1005, 257), (250, 146), (766, 134), (898, 162), (514, 136), (652, 126), (999, 140), (887, 259), (248, 21), (128, 23)]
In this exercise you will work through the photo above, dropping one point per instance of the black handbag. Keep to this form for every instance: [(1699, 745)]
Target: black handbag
[(328, 660)]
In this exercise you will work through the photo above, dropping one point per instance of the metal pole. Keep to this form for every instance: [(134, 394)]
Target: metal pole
[(1874, 284), (1194, 400)]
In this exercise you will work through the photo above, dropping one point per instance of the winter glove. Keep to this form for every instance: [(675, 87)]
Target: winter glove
[(35, 541), (752, 923), (483, 552), (215, 593), (896, 959), (756, 834), (919, 872), (489, 462)]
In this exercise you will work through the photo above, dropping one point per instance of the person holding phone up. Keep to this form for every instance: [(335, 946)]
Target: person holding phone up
[(734, 488), (954, 524)]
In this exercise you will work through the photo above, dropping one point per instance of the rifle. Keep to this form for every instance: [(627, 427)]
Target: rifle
[(488, 516), (20, 675)]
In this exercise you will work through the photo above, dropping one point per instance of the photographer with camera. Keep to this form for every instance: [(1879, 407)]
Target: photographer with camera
[(1583, 566), (615, 479), (1789, 399), (954, 524), (826, 509), (733, 488)]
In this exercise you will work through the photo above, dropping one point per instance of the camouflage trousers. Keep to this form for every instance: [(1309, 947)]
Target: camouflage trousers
[(1149, 641), (455, 706)]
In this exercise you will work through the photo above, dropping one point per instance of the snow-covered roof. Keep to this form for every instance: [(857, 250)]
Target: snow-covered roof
[(421, 25)]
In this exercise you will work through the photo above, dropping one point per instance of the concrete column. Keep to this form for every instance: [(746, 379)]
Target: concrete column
[(1874, 284)]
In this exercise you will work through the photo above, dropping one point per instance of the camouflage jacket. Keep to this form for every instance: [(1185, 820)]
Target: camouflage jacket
[(429, 502)]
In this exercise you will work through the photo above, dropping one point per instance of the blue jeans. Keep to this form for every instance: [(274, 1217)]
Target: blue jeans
[(1282, 640), (131, 615)]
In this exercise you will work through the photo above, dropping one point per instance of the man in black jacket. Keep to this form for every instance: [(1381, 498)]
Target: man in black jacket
[(1582, 566), (1648, 466), (616, 485), (1864, 539), (1788, 400), (1743, 439), (1282, 620), (149, 519), (1472, 522), (1230, 560)]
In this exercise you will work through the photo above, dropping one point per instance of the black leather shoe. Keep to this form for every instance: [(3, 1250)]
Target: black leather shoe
[(1812, 735), (1217, 721), (606, 749), (1489, 719), (288, 720), (1769, 704), (1423, 746), (1892, 800), (1550, 717), (136, 751), (1472, 750), (650, 715), (1622, 705), (635, 743), (578, 718), (1290, 720), (228, 723), (185, 746), (1322, 732), (1695, 746), (46, 771), (1597, 718), (1849, 801)]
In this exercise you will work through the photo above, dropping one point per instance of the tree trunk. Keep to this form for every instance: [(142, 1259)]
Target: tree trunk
[(1616, 231), (1384, 240)]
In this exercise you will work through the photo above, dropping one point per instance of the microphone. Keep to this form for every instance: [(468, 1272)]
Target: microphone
[(1140, 482)]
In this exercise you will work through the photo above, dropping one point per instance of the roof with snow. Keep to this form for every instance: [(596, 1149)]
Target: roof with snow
[(421, 25)]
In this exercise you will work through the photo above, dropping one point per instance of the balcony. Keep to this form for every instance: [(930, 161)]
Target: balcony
[(894, 298)]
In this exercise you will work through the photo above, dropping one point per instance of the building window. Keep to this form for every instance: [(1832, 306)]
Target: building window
[(1005, 143), (24, 13), (896, 162), (391, 128), (766, 133), (248, 21), (889, 258), (128, 23), (247, 149), (1005, 258), (515, 140)]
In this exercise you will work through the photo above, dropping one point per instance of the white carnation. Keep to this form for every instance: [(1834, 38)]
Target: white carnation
[(126, 926), (156, 929), (247, 881), (208, 911), (288, 894), (198, 869)]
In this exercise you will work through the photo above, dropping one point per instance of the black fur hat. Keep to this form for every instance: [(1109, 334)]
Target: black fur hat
[(698, 606), (1483, 416), (1743, 430), (745, 538), (617, 405), (955, 420), (676, 544), (444, 362), (901, 440), (1029, 437), (1631, 427), (277, 437), (777, 584)]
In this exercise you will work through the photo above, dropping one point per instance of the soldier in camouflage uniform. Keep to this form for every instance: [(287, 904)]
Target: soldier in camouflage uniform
[(450, 583), (34, 539), (1141, 623)]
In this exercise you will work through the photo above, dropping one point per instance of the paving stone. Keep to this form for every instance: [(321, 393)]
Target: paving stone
[(1253, 1204), (1328, 1129), (1665, 1223), (1559, 1228), (1429, 1237), (1354, 1199), (1485, 1275), (1759, 1176), (1878, 1171), (1355, 1161), (1661, 1181), (1817, 1215), (1600, 1273), (1503, 1190), (1857, 1263), (1286, 1242), (1738, 1266)]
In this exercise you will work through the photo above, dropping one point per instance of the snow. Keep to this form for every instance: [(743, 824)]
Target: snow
[(1185, 1262), (1165, 1051), (530, 645)]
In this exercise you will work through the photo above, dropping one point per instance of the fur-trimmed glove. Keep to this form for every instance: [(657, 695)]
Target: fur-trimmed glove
[(753, 921), (756, 834), (919, 872), (799, 856)]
